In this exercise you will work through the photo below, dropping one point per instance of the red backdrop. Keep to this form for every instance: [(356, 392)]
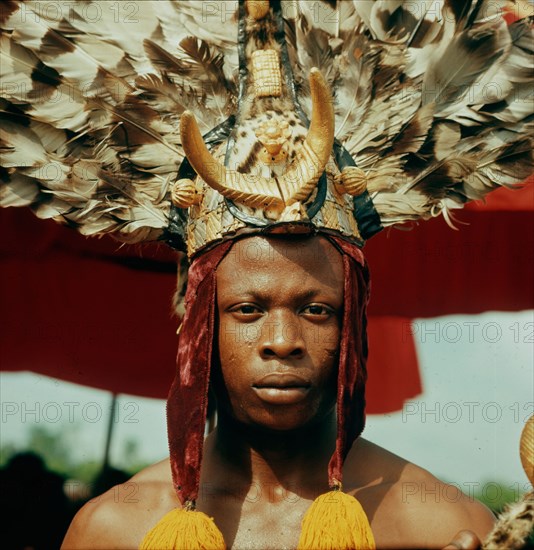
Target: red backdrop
[(97, 313)]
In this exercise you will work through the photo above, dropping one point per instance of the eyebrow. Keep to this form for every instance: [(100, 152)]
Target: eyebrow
[(299, 296)]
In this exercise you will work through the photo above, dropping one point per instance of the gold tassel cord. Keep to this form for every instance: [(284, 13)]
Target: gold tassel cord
[(184, 530), (336, 521)]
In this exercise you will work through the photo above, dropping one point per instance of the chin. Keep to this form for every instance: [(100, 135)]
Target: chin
[(283, 426), (278, 420)]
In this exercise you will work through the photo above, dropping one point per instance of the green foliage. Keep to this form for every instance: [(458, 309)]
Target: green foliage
[(85, 471), (54, 446), (496, 495), (6, 452)]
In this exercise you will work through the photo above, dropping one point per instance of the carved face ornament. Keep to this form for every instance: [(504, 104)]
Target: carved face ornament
[(301, 174)]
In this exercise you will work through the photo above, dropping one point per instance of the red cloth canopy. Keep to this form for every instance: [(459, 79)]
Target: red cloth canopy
[(98, 313)]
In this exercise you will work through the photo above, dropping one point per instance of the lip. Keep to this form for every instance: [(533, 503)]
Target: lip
[(282, 388), (282, 380)]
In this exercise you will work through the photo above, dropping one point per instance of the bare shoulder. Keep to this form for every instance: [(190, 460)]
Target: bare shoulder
[(407, 505), (121, 517)]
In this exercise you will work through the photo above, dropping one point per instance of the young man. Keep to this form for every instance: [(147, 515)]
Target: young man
[(322, 123), (279, 327)]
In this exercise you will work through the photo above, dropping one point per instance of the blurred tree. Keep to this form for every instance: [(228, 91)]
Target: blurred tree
[(53, 446), (496, 495), (6, 452), (131, 461)]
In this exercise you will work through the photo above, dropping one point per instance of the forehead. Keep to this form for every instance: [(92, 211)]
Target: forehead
[(259, 261)]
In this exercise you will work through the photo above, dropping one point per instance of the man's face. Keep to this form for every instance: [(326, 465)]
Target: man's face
[(279, 307)]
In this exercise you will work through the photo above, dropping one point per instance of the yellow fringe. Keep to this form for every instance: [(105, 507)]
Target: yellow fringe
[(184, 530), (336, 521)]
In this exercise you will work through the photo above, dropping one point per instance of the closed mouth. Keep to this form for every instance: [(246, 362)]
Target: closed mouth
[(282, 389), (282, 381)]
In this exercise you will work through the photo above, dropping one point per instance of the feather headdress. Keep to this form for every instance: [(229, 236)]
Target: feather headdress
[(192, 122), (432, 104)]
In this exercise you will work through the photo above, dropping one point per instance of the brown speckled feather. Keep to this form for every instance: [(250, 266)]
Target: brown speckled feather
[(434, 103)]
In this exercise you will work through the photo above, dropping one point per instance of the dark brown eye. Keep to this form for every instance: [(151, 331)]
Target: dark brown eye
[(317, 309), (248, 309)]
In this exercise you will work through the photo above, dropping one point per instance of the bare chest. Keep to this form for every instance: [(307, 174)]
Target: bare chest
[(270, 518), (265, 518)]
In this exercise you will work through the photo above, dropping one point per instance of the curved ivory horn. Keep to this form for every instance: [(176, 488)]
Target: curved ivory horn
[(258, 192), (254, 191), (301, 177)]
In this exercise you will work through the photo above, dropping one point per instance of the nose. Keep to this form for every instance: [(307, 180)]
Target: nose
[(282, 337)]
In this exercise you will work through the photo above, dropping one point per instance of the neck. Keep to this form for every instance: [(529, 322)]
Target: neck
[(297, 457)]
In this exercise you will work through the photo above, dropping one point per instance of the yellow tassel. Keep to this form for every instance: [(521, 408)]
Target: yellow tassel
[(336, 521), (184, 530)]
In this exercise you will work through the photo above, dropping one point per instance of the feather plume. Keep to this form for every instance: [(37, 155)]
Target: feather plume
[(97, 142), (468, 57), (433, 101), (450, 103)]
